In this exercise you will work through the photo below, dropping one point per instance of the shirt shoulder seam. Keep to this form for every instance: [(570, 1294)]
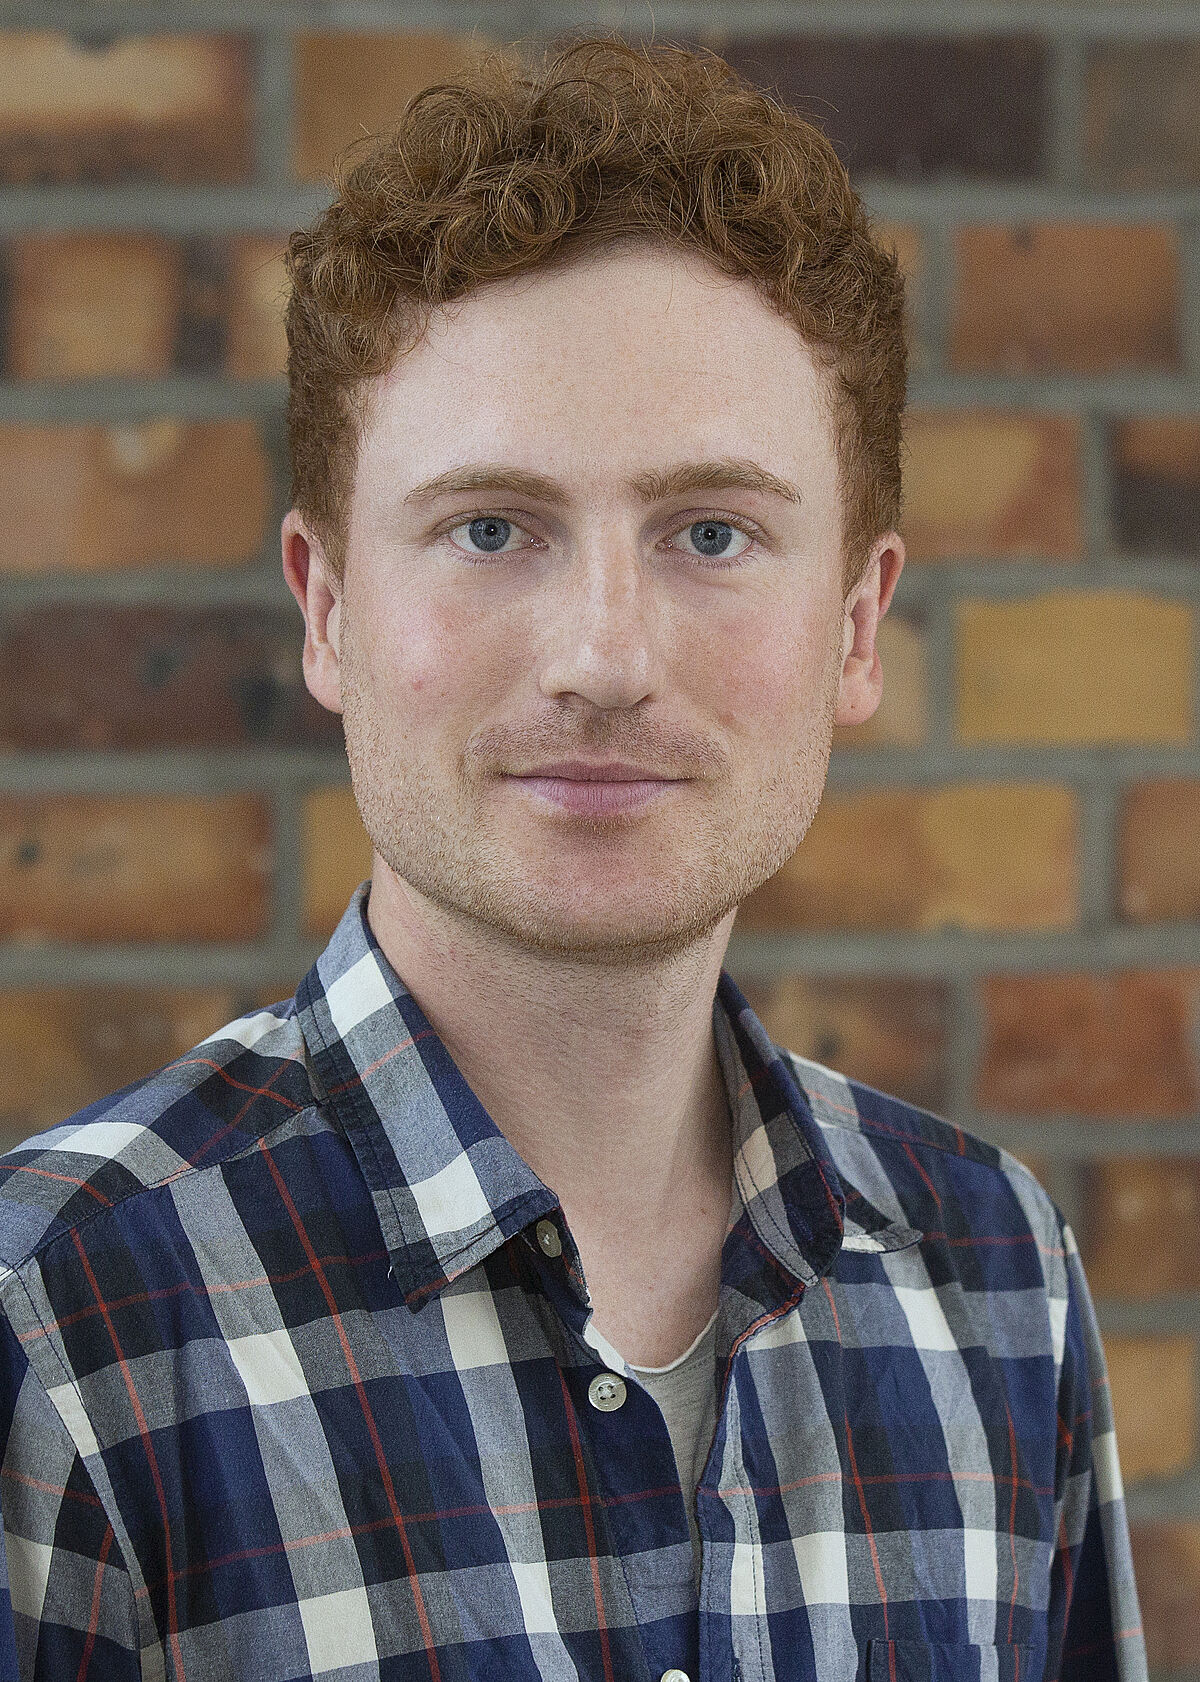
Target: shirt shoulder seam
[(47, 1242)]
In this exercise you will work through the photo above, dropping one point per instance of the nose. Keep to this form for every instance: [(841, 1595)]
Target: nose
[(603, 625)]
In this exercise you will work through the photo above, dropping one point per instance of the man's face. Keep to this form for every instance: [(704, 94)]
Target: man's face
[(701, 633)]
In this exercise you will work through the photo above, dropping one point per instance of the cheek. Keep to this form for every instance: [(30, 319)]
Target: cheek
[(768, 673), (424, 658)]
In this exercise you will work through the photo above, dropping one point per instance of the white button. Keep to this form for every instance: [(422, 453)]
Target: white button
[(548, 1239), (674, 1676), (606, 1391)]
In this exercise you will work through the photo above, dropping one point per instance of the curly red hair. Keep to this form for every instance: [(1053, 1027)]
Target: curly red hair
[(495, 172)]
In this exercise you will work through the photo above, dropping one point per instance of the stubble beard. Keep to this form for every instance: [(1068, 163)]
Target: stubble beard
[(433, 840)]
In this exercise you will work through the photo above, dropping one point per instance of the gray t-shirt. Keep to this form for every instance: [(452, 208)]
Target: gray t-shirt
[(686, 1391)]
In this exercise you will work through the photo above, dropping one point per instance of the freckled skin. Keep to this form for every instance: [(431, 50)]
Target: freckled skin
[(570, 962)]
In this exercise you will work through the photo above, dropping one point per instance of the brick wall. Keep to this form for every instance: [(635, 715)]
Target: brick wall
[(996, 910)]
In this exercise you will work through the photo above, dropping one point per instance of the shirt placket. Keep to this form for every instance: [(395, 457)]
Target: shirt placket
[(686, 1636)]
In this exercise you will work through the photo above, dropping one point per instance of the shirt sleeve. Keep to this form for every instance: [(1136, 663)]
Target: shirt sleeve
[(66, 1600), (1094, 1621)]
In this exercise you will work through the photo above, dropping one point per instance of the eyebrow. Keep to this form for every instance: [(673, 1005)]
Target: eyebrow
[(650, 486)]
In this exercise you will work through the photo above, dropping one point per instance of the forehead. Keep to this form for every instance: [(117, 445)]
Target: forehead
[(634, 353)]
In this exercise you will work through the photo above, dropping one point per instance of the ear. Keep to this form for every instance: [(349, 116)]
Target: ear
[(861, 683), (315, 586)]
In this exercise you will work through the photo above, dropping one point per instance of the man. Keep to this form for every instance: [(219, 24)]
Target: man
[(506, 1304)]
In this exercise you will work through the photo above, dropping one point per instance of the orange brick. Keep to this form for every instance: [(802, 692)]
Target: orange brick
[(88, 498), (65, 1047), (901, 718), (83, 305), (1156, 484), (168, 107), (1166, 1567), (1153, 1383), (1141, 1237), (1075, 666), (890, 1033), (257, 299), (973, 857), (335, 856), (146, 867), (1096, 1045), (1077, 297), (1160, 852), (348, 85), (979, 483)]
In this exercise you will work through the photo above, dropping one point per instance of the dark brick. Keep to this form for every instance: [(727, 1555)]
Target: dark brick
[(890, 1033), (127, 678), (1156, 484), (1140, 124), (916, 107), (203, 329)]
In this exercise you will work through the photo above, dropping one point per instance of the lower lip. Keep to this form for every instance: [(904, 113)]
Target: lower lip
[(595, 798)]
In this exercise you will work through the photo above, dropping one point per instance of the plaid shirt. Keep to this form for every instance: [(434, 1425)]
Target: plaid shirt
[(298, 1381)]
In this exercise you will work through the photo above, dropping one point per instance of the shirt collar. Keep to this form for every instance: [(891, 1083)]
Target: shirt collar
[(449, 1188)]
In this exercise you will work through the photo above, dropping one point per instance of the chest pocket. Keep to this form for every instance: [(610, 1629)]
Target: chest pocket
[(941, 1661)]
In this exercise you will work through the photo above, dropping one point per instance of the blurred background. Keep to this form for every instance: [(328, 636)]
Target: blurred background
[(996, 912)]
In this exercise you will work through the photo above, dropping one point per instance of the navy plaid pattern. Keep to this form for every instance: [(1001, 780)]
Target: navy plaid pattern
[(289, 1390)]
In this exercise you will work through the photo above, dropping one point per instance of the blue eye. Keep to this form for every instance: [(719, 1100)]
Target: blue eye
[(489, 534), (490, 531), (711, 537)]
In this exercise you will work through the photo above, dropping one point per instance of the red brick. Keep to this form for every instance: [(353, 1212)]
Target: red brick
[(1166, 1567), (90, 498), (257, 299), (919, 107), (1153, 1382), (1139, 122), (1141, 1237), (1086, 667), (65, 1047), (85, 305), (348, 85), (164, 107), (95, 678), (1073, 297), (335, 857), (138, 868), (1160, 852), (988, 483), (890, 1033), (999, 856), (1156, 485), (1095, 1045)]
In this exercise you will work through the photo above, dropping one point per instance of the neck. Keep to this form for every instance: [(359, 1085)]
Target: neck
[(604, 1077)]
